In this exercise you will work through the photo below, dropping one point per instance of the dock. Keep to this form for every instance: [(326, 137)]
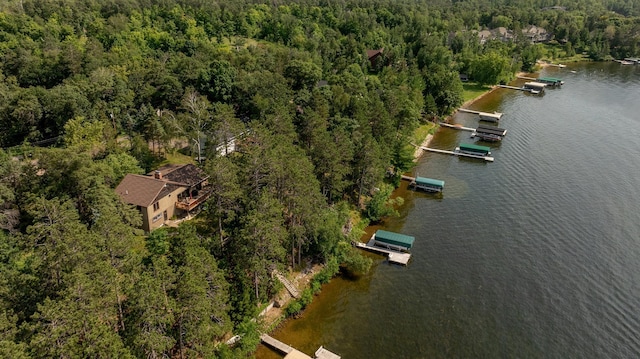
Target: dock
[(549, 81), (486, 116), (423, 183), (407, 178), (514, 88), (489, 133), (486, 158), (292, 353), (457, 127), (393, 256), (530, 90)]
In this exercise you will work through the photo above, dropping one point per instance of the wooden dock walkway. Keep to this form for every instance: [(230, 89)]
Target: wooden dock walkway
[(514, 88), (527, 78), (292, 353), (276, 344), (457, 127), (407, 178), (486, 158), (496, 116), (393, 256)]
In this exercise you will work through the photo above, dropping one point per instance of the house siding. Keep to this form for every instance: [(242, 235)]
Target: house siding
[(167, 203)]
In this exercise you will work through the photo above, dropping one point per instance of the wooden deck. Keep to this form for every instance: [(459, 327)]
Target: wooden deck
[(292, 353), (393, 256), (486, 158), (188, 204)]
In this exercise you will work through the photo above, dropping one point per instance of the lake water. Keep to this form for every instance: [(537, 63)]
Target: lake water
[(536, 255)]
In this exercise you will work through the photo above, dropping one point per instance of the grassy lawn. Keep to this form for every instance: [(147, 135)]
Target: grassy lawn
[(472, 90), (176, 158), (421, 132), (564, 60)]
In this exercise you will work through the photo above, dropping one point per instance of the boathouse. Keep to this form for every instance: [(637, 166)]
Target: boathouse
[(392, 240), (550, 81), (535, 87), (490, 133), (428, 184), (472, 149)]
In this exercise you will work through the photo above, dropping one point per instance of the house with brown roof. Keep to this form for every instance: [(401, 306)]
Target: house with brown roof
[(170, 191), (373, 55)]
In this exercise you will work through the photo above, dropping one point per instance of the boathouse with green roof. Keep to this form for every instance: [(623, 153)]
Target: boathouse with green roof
[(551, 81), (472, 149), (428, 184), (393, 240)]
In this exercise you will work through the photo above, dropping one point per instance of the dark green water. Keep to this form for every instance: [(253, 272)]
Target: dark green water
[(536, 255)]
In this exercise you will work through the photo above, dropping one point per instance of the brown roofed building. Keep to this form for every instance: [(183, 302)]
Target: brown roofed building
[(174, 190), (373, 56)]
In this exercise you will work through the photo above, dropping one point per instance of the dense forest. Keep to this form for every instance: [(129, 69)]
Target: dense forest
[(93, 90)]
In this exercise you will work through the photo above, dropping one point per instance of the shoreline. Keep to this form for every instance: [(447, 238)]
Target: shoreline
[(493, 88), (419, 151), (278, 320), (274, 316)]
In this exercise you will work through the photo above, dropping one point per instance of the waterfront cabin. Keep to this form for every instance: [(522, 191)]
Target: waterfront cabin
[(476, 150), (551, 81), (534, 87), (392, 240), (428, 184), (490, 133)]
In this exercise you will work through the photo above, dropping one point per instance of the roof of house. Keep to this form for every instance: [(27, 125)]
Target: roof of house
[(485, 34), (374, 53), (142, 190), (188, 174)]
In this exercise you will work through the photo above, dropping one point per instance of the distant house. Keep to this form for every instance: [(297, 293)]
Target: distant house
[(485, 35), (533, 33), (558, 8), (168, 192), (503, 34), (500, 33), (464, 77), (373, 56), (536, 34)]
